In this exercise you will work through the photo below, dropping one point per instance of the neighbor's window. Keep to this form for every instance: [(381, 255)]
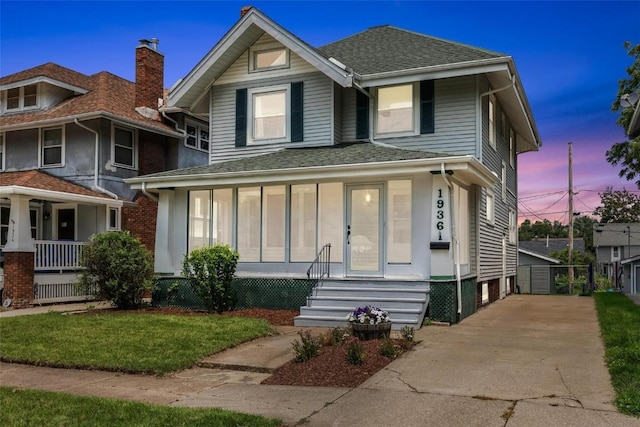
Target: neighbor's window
[(52, 147), (395, 112), (399, 231), (1, 152), (114, 219), (123, 148), (269, 109), (22, 97), (615, 252), (303, 222), (492, 121), (197, 137), (490, 206), (269, 58)]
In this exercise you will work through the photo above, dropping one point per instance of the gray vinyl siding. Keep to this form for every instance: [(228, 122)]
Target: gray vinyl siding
[(337, 114), (349, 114), (318, 106)]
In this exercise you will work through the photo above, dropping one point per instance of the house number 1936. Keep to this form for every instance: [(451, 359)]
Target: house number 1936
[(440, 213)]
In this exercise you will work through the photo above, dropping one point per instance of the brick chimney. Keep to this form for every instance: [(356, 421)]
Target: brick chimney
[(149, 74), (244, 10)]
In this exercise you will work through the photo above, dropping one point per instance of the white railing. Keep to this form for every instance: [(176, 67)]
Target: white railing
[(58, 255)]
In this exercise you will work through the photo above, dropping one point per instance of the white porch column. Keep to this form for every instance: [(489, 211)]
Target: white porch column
[(164, 233), (19, 233)]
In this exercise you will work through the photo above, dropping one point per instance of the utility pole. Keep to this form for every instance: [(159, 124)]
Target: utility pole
[(570, 273)]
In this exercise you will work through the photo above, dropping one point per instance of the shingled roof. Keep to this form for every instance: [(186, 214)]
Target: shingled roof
[(547, 246), (107, 94), (39, 180), (387, 49)]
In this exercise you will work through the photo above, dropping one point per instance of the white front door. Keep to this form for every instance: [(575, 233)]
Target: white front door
[(364, 245)]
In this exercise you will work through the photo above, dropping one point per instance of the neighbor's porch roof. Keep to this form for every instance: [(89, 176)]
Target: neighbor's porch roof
[(363, 160)]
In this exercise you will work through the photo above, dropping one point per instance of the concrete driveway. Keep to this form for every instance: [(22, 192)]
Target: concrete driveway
[(523, 361)]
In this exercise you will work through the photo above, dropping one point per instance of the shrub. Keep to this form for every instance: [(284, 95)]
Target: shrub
[(307, 348), (388, 349), (407, 333), (119, 267), (210, 272), (355, 351), (334, 336)]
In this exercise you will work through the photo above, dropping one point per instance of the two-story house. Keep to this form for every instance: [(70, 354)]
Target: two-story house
[(67, 142), (618, 254), (397, 149)]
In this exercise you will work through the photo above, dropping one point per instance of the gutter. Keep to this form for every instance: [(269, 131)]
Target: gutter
[(96, 164), (146, 193)]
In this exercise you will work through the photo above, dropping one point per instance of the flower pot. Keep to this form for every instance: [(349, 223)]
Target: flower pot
[(365, 331)]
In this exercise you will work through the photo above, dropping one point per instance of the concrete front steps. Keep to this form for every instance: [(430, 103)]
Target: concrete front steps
[(334, 299)]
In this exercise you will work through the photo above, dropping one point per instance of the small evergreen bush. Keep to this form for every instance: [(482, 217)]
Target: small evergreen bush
[(355, 351), (388, 349), (119, 267), (210, 272), (407, 333), (307, 348)]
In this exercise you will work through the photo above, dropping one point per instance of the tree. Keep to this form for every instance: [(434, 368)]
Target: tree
[(119, 267), (618, 206), (583, 227), (627, 153)]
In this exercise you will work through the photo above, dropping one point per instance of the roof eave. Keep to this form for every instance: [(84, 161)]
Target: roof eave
[(59, 196), (469, 170), (182, 94), (45, 79)]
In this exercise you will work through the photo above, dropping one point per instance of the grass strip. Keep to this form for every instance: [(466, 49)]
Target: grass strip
[(42, 408), (125, 342), (620, 326)]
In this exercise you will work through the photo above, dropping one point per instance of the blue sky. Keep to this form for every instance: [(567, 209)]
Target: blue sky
[(569, 56)]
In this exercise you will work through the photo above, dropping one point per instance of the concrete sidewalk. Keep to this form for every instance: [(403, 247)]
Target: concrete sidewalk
[(523, 361), (61, 308)]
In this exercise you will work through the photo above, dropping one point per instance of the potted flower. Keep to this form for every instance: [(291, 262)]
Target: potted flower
[(369, 323)]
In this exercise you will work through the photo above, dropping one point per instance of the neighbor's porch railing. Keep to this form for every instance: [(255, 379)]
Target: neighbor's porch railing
[(58, 255)]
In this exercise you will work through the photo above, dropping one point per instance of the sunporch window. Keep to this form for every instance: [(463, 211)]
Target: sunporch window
[(273, 223), (303, 222), (210, 218), (249, 224), (400, 227), (461, 218)]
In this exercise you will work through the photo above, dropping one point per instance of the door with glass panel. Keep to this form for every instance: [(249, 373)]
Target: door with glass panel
[(364, 243)]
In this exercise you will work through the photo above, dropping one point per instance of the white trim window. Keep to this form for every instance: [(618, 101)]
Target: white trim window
[(490, 208), (2, 151), (21, 98), (270, 57), (123, 147), (52, 147), (513, 228), (399, 229), (492, 121), (503, 181), (615, 253), (113, 218), (395, 110), (512, 147), (269, 112), (197, 137)]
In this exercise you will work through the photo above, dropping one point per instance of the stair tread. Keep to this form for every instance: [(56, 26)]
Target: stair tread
[(349, 310)]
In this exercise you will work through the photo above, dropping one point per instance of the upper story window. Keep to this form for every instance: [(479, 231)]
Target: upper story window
[(52, 147), (512, 147), (492, 121), (19, 98), (615, 253), (123, 147), (268, 58), (395, 111), (513, 228), (269, 111), (197, 137), (504, 181), (490, 212)]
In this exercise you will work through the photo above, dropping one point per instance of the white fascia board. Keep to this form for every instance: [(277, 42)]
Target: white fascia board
[(58, 196), (89, 116), (254, 17), (540, 256), (435, 72), (533, 139), (44, 79), (470, 169)]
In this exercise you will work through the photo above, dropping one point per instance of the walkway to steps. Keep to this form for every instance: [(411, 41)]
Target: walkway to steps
[(334, 299)]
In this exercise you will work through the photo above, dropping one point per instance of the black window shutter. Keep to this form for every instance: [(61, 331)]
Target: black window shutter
[(362, 115), (297, 112), (426, 107), (241, 117)]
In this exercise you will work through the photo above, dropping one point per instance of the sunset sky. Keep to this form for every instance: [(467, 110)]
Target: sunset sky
[(569, 55)]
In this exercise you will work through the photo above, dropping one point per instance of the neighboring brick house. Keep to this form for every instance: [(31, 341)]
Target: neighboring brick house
[(67, 142), (396, 148)]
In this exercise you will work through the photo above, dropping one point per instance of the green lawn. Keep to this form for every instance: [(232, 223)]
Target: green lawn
[(620, 325), (136, 343), (40, 408)]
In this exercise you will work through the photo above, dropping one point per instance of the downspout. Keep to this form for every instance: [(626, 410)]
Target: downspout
[(175, 125), (146, 193), (456, 246), (96, 165)]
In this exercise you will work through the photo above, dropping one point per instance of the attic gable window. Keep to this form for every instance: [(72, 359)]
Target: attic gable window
[(20, 98), (268, 58)]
